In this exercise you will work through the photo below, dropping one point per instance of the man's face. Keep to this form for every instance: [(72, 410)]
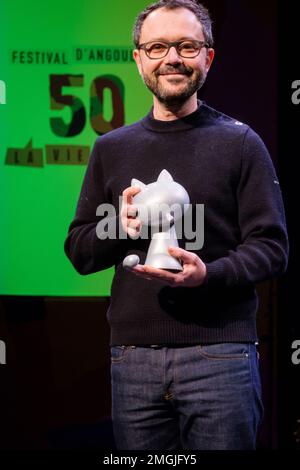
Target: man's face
[(173, 79)]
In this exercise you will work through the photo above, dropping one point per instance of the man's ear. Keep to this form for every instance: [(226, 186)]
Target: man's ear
[(137, 59), (209, 58)]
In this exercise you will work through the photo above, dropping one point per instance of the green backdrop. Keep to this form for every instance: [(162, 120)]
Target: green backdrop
[(69, 78)]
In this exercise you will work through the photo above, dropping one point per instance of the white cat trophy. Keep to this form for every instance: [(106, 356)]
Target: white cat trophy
[(160, 205)]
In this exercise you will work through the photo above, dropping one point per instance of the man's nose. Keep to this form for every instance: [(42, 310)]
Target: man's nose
[(173, 57)]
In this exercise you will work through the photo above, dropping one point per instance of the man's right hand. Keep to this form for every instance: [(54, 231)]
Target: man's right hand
[(130, 223)]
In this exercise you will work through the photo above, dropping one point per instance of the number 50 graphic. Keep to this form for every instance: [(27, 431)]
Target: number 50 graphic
[(78, 113)]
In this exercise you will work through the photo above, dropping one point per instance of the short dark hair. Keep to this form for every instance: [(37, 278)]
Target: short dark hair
[(198, 9)]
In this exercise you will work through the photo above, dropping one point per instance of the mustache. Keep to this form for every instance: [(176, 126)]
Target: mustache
[(179, 69)]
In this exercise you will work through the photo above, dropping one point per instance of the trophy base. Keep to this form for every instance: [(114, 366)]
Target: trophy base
[(163, 261), (158, 255)]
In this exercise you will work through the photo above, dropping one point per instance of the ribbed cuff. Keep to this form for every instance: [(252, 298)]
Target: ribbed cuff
[(220, 273)]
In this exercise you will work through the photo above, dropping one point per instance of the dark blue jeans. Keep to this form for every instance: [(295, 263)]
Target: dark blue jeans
[(203, 397)]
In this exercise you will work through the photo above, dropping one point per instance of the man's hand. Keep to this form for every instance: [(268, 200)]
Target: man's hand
[(130, 223), (192, 275)]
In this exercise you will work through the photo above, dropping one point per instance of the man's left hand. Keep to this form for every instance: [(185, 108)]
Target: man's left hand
[(192, 275)]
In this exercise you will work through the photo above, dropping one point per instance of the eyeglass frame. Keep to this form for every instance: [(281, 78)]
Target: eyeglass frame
[(173, 44)]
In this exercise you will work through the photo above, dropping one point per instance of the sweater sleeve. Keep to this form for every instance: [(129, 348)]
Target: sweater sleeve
[(87, 251), (263, 250)]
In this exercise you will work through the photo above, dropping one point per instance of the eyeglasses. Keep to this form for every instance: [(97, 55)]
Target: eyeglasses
[(159, 49)]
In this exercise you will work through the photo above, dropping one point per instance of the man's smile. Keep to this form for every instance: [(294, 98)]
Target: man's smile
[(173, 73)]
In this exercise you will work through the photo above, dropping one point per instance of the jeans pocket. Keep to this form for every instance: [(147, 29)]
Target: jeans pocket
[(224, 350), (119, 353)]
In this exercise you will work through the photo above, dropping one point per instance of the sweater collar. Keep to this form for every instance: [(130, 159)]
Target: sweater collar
[(190, 121)]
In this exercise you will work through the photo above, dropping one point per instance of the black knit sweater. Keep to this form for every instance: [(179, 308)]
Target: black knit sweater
[(224, 165)]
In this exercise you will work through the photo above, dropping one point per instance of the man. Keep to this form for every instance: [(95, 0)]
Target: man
[(184, 360)]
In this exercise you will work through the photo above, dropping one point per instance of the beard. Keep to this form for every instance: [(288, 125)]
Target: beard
[(165, 94)]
